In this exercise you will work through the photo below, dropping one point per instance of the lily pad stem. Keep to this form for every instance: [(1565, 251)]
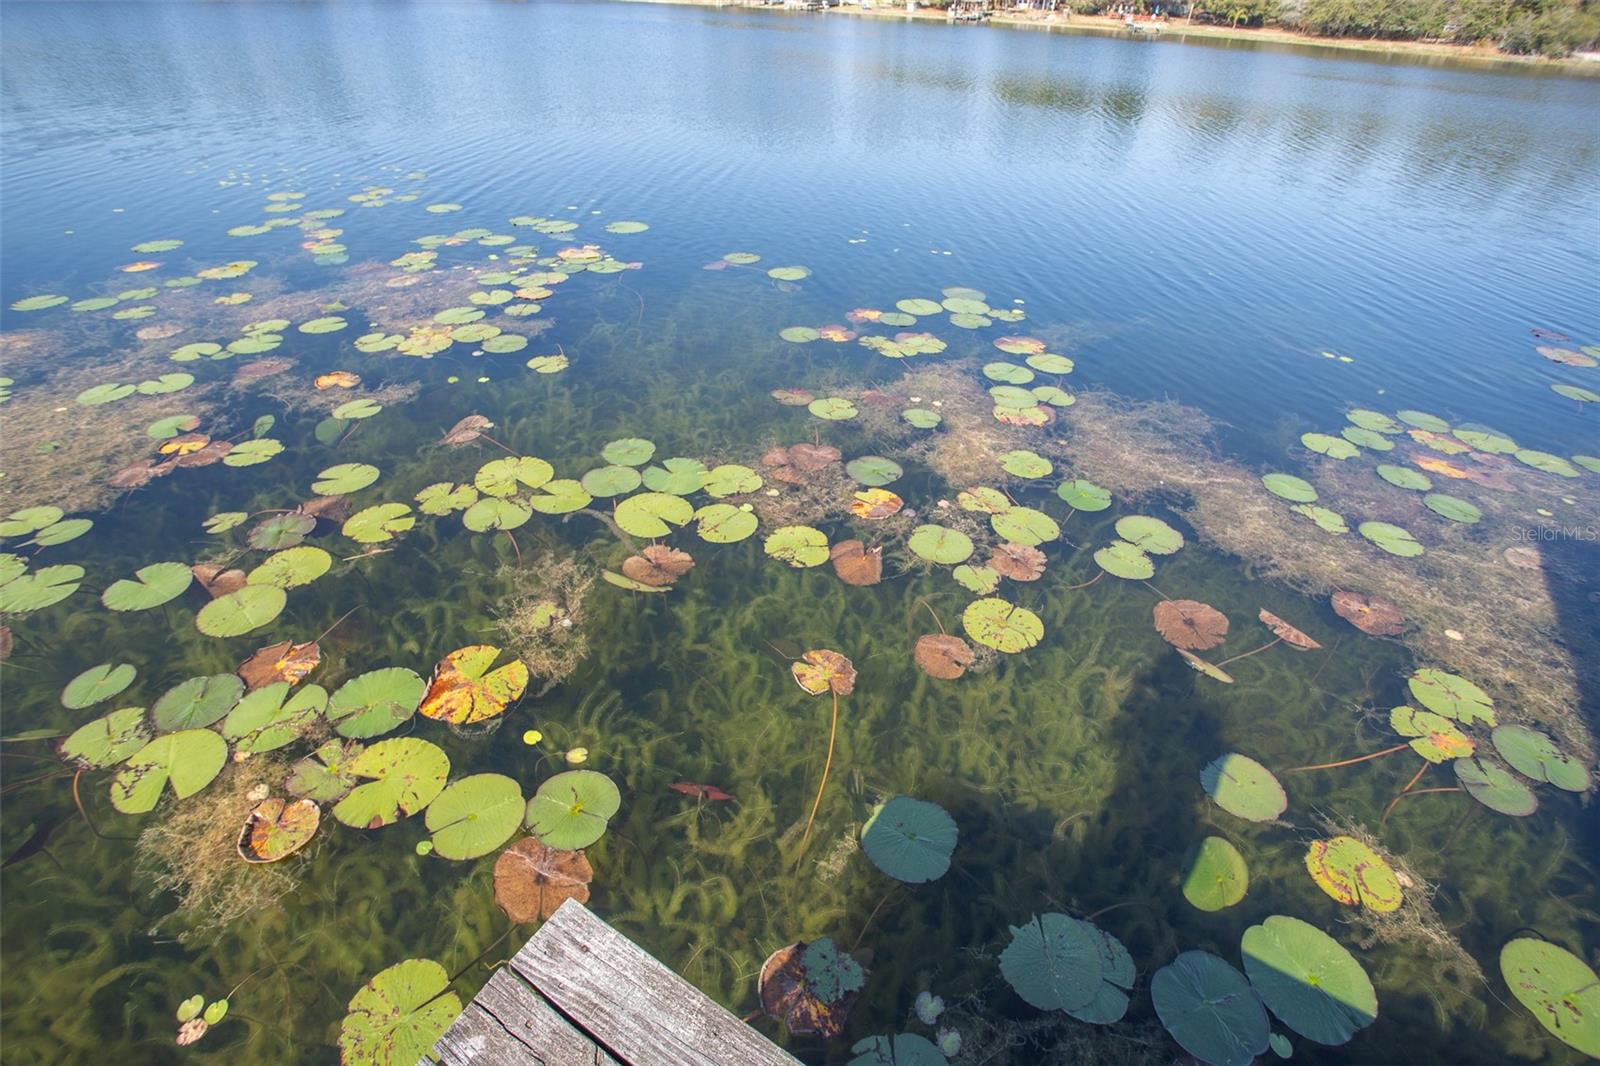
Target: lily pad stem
[(935, 614), (335, 625), (1086, 584), (1349, 762), (1418, 792), (833, 732), (1252, 651), (1157, 591), (497, 444), (514, 545)]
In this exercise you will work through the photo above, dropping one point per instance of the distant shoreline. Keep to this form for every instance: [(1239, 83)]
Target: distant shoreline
[(1480, 56)]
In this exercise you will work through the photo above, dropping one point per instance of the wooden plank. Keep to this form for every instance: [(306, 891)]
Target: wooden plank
[(509, 1024), (630, 1003)]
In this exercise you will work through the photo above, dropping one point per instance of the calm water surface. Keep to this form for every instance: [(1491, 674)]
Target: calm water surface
[(1190, 223)]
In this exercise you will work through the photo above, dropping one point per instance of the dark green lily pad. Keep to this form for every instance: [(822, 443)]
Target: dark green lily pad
[(1496, 787), (1306, 978), (1535, 756), (910, 839), (1210, 1009)]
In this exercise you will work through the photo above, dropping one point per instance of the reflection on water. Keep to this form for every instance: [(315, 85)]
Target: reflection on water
[(1199, 224)]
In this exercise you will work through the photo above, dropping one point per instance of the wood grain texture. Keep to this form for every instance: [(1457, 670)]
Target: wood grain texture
[(509, 1024), (630, 1003)]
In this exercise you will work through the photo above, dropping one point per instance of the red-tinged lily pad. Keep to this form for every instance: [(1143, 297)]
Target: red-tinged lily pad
[(819, 671), (465, 691), (532, 879), (699, 791), (811, 987), (277, 829)]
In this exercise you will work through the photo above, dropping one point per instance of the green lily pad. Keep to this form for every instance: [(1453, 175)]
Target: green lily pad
[(344, 478), (799, 334), (1576, 392), (729, 479), (789, 273), (1452, 696), (629, 451), (1404, 477), (1452, 507), (493, 513), (610, 481), (42, 588), (910, 839), (29, 520), (1306, 978), (799, 546), (1423, 420), (506, 477), (1000, 625), (921, 417), (1083, 495), (832, 408), (1053, 962), (1217, 876), (939, 544), (1496, 787), (1243, 787), (38, 303), (653, 514), (62, 532), (397, 1017), (1025, 464), (197, 702), (559, 496), (1151, 535), (444, 497), (1391, 538), (1010, 373), (403, 776), (103, 394), (324, 775), (627, 227), (362, 408), (1210, 1009), (918, 306), (1376, 421), (1050, 363), (1124, 560), (1024, 525), (376, 702), (474, 816), (290, 568), (252, 452), (572, 810), (1550, 464), (1433, 736), (188, 760), (979, 579), (156, 584), (240, 612), (1559, 988), (271, 718), (1289, 487), (106, 741), (164, 384), (281, 531), (1531, 753), (899, 1049), (326, 324), (1376, 442), (874, 470), (723, 523), (223, 521), (678, 476), (96, 684), (1485, 439), (1326, 520), (1332, 447)]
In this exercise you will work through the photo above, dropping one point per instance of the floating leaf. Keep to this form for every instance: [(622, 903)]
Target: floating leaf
[(1018, 562), (1531, 753), (197, 702), (810, 987), (531, 879), (820, 670), (909, 839), (855, 563), (940, 544), (799, 546), (1053, 962), (379, 523), (629, 451), (1390, 538), (1083, 495), (832, 408), (252, 452), (874, 470), (1024, 525), (281, 531), (1289, 487), (1436, 738), (902, 1049), (654, 514), (474, 816), (1217, 876), (1025, 464), (1332, 447), (1496, 787), (1452, 507), (1287, 633), (1452, 696), (657, 565), (1370, 614), (1210, 1009), (1243, 787), (1190, 624), (1308, 980), (723, 523), (1124, 560), (240, 612), (979, 579), (943, 656), (1559, 988), (324, 775), (443, 497), (403, 776), (270, 717), (395, 1018), (994, 623), (875, 504), (572, 809), (373, 703), (1354, 874), (610, 481), (188, 760), (106, 741), (344, 478), (729, 479), (287, 569), (96, 684), (277, 829), (1148, 534)]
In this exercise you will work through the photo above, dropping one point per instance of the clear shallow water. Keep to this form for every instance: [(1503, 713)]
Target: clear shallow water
[(1201, 224)]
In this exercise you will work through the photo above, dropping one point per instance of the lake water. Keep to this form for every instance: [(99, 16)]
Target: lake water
[(1235, 246)]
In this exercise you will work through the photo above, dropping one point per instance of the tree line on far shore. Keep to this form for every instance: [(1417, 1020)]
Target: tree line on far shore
[(1521, 27)]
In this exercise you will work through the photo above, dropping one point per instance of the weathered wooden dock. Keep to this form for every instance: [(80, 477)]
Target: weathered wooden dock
[(579, 993)]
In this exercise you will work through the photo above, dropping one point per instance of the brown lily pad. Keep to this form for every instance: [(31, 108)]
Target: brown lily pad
[(874, 504), (329, 508), (1190, 624), (217, 581), (811, 457), (857, 564), (1370, 614), (658, 565), (284, 661), (820, 670), (211, 453), (1017, 561), (1287, 633), (276, 829), (261, 368), (139, 474), (466, 431), (806, 1002), (531, 879), (943, 656)]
